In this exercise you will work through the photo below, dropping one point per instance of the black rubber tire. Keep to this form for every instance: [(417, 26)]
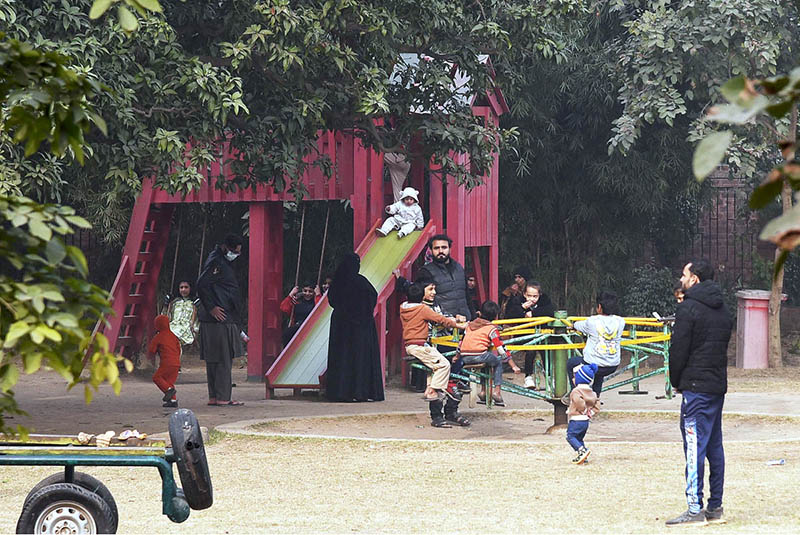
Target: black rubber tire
[(187, 444), (93, 505), (82, 480)]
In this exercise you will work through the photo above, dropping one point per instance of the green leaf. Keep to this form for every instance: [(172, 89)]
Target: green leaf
[(8, 377), (709, 153), (765, 193), (784, 230), (78, 221), (47, 332), (17, 330), (87, 394), (40, 230), (98, 8), (78, 259), (55, 251), (127, 19), (150, 5), (780, 109), (31, 362), (732, 88)]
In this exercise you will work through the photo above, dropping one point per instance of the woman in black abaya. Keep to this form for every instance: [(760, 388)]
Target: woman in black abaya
[(354, 361)]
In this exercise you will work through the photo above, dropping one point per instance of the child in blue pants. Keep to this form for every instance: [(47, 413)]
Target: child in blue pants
[(582, 406)]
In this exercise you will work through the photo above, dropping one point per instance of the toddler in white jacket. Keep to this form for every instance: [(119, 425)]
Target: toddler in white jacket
[(405, 215)]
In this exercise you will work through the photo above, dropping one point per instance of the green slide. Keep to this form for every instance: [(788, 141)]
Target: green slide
[(306, 356)]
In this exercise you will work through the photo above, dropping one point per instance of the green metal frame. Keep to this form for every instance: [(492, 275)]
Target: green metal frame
[(64, 454), (553, 365)]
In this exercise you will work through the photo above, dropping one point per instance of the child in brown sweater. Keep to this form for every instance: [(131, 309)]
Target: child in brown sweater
[(582, 406), (415, 317)]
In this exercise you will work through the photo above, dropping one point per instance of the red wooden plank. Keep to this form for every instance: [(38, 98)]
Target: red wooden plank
[(265, 284)]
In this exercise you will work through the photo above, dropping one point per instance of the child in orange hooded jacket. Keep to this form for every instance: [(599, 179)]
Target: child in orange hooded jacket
[(167, 345)]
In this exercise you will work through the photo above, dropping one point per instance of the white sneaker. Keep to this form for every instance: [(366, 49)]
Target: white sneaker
[(529, 382)]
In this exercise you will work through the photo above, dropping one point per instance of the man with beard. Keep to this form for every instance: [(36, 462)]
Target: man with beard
[(451, 297), (220, 342), (449, 278), (698, 359)]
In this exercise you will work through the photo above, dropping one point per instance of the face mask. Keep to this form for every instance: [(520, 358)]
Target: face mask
[(231, 256)]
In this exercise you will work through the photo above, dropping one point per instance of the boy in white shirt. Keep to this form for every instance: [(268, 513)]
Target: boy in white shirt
[(603, 333)]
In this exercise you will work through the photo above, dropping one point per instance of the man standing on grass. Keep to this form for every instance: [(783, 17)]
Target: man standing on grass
[(698, 360)]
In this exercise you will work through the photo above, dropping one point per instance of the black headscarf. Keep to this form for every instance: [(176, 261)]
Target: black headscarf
[(524, 272), (351, 294), (344, 278)]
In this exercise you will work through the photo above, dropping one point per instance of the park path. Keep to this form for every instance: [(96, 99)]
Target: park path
[(53, 409)]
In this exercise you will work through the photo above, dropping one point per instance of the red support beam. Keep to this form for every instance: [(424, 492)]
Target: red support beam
[(266, 282)]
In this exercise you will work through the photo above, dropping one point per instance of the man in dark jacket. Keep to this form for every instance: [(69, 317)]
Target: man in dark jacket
[(220, 315), (698, 359), (449, 277)]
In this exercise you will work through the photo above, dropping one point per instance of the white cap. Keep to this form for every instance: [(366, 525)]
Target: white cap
[(409, 192)]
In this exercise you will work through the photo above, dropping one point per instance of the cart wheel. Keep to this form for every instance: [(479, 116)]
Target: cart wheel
[(187, 444), (83, 480), (65, 508)]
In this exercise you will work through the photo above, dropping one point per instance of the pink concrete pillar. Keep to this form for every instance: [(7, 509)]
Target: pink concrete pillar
[(752, 329)]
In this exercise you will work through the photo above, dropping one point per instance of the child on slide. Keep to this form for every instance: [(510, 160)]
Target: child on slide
[(405, 215)]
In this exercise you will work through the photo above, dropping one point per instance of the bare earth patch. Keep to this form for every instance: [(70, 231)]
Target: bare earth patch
[(527, 426)]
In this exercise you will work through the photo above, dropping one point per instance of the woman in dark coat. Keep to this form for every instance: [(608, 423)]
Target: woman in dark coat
[(354, 361)]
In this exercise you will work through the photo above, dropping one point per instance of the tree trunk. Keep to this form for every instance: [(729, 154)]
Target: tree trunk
[(775, 355)]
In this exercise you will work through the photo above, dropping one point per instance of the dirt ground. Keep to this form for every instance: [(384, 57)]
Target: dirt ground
[(528, 426), (290, 485)]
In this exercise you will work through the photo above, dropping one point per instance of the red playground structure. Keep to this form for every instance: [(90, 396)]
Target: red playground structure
[(469, 218)]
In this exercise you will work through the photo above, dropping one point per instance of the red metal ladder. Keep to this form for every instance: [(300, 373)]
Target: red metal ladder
[(133, 295)]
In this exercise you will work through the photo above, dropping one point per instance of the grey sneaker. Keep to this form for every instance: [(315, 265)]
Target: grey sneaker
[(714, 516), (686, 518)]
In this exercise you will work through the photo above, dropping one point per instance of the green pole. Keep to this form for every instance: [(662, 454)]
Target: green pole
[(559, 371), (560, 356)]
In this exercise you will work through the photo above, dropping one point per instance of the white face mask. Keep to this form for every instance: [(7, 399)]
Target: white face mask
[(231, 256)]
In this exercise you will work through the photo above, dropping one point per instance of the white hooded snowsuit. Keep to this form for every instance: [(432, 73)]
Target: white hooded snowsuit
[(405, 218)]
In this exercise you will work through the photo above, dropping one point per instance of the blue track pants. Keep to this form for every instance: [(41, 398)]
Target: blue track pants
[(701, 427)]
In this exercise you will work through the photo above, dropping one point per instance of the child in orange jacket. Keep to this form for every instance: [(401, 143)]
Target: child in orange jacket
[(167, 345)]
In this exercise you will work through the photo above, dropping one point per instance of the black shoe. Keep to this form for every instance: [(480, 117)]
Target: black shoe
[(714, 516), (170, 404), (168, 394), (453, 393), (458, 419), (463, 387), (440, 422), (688, 519)]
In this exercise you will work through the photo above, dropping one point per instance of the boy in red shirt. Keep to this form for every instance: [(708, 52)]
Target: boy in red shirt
[(476, 348), (167, 345)]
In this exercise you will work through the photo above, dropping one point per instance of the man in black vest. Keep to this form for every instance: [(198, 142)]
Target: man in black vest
[(698, 360), (450, 280)]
